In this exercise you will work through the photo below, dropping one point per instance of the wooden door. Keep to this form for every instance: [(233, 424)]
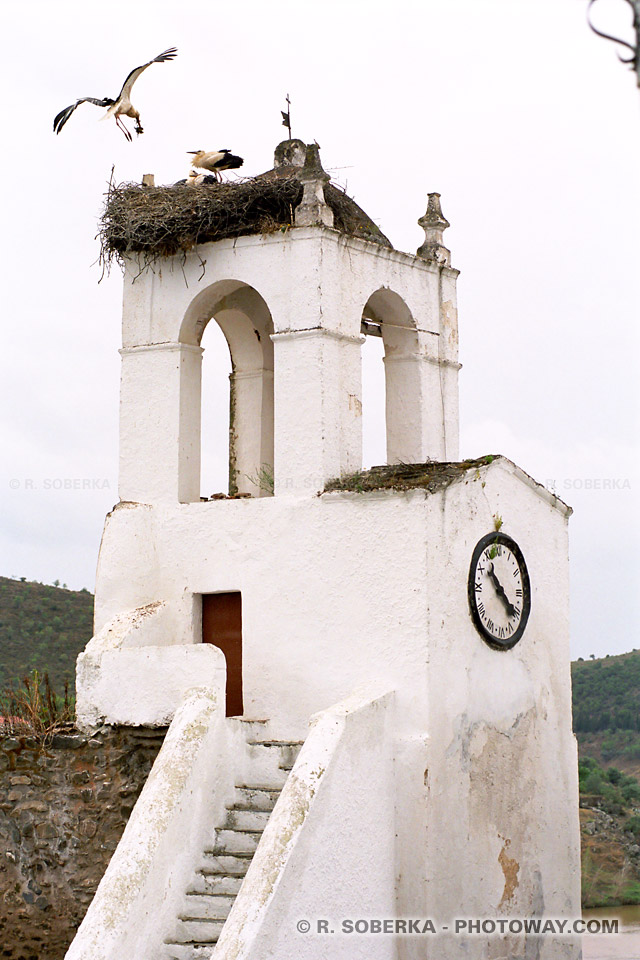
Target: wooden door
[(222, 626)]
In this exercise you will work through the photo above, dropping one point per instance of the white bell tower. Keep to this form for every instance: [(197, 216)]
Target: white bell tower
[(408, 623), (295, 308)]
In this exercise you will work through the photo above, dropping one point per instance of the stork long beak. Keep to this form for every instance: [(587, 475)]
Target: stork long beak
[(194, 151)]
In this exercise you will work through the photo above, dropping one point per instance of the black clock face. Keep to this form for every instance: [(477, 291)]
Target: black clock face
[(499, 591)]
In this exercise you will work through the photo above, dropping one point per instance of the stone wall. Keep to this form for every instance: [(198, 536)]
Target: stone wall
[(63, 807)]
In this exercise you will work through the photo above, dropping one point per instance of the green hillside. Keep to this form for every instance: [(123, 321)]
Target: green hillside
[(606, 694), (606, 719), (42, 628), (606, 710)]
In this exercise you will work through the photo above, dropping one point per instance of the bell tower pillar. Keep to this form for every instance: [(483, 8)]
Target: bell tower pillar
[(318, 407), (160, 423)]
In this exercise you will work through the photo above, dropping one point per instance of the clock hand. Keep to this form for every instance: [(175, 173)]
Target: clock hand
[(500, 591)]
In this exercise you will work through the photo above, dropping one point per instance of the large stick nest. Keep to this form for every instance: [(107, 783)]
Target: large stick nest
[(165, 221)]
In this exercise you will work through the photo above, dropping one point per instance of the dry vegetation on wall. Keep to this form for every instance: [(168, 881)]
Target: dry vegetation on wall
[(164, 221), (33, 708), (429, 476)]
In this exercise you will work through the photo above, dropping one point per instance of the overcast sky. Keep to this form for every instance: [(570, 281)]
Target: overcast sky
[(513, 110)]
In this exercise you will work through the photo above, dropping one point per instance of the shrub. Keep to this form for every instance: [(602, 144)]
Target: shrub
[(633, 825)]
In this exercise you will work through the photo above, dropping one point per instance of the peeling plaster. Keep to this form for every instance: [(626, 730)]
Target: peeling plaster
[(121, 631), (355, 404), (510, 869)]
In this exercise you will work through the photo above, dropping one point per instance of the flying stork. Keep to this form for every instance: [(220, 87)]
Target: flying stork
[(121, 106), (215, 160)]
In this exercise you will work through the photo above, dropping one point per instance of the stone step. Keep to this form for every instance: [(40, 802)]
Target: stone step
[(211, 906), (234, 841), (286, 750), (215, 883), (261, 742), (194, 930), (225, 864), (217, 880), (273, 783), (256, 798), (250, 729), (246, 820), (265, 762), (272, 780), (188, 951)]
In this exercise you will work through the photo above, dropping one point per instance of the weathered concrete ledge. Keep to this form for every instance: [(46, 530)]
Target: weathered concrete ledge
[(434, 475)]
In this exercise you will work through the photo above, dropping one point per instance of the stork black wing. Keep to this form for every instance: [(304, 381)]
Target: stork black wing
[(229, 162), (133, 76), (64, 115), (166, 55)]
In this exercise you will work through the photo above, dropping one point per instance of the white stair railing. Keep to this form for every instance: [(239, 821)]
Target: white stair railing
[(189, 787), (327, 851)]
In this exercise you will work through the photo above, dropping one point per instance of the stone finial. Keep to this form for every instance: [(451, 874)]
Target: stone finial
[(434, 223), (290, 153), (313, 208), (148, 180)]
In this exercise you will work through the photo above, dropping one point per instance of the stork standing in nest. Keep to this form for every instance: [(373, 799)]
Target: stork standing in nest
[(121, 106), (215, 161)]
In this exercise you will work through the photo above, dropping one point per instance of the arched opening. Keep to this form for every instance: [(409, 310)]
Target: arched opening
[(214, 429), (374, 431), (245, 322), (391, 399)]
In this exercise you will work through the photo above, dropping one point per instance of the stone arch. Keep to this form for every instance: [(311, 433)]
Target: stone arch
[(387, 310), (245, 320), (387, 315)]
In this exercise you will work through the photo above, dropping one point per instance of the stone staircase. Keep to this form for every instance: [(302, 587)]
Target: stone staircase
[(224, 863)]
